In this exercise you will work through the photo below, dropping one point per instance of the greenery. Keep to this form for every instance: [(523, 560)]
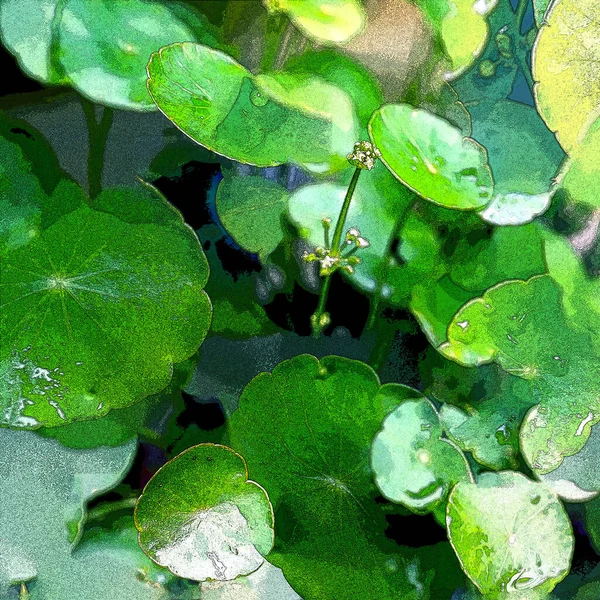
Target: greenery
[(369, 369)]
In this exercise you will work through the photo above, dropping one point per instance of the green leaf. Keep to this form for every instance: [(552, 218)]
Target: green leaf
[(119, 38), (348, 75), (41, 504), (463, 29), (432, 157), (516, 252), (263, 120), (118, 303), (312, 456), (511, 535), (378, 203), (434, 304), (29, 31), (524, 158), (566, 68), (413, 463), (251, 209), (579, 175), (201, 517), (334, 21)]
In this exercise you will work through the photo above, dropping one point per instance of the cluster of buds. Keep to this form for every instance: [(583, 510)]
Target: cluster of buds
[(332, 260), (364, 155)]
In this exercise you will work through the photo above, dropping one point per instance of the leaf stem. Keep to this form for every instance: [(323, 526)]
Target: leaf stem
[(98, 136), (522, 60), (284, 47), (521, 12), (319, 320), (99, 512), (384, 340)]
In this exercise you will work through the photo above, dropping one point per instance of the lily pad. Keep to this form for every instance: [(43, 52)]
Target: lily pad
[(201, 517), (128, 300), (312, 456), (566, 68), (431, 157), (264, 120), (334, 21), (414, 464), (251, 208), (511, 535)]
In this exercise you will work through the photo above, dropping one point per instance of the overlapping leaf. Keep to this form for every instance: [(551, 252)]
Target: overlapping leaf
[(201, 517), (263, 120), (511, 535), (432, 157), (312, 456)]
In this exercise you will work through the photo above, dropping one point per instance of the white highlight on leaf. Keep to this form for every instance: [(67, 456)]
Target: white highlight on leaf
[(583, 423), (515, 209), (214, 544)]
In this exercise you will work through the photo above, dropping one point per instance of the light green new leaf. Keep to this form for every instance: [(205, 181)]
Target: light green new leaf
[(334, 21), (379, 201), (251, 209), (511, 535), (413, 463), (566, 68), (44, 490), (201, 517), (264, 120), (432, 157), (29, 30), (104, 47), (312, 456), (348, 75), (463, 28), (579, 176), (95, 311)]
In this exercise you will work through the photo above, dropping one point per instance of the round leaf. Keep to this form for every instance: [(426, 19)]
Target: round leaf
[(511, 535), (251, 209), (312, 456), (201, 517), (330, 21), (265, 120), (95, 311), (118, 38), (432, 157), (566, 68), (413, 463)]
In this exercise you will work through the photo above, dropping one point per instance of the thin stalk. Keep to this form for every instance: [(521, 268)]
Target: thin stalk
[(339, 228), (99, 512), (384, 340), (98, 136), (521, 12), (24, 592), (317, 322), (522, 60), (284, 46), (273, 32)]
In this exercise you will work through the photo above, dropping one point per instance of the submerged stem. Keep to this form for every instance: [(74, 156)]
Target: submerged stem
[(98, 136)]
